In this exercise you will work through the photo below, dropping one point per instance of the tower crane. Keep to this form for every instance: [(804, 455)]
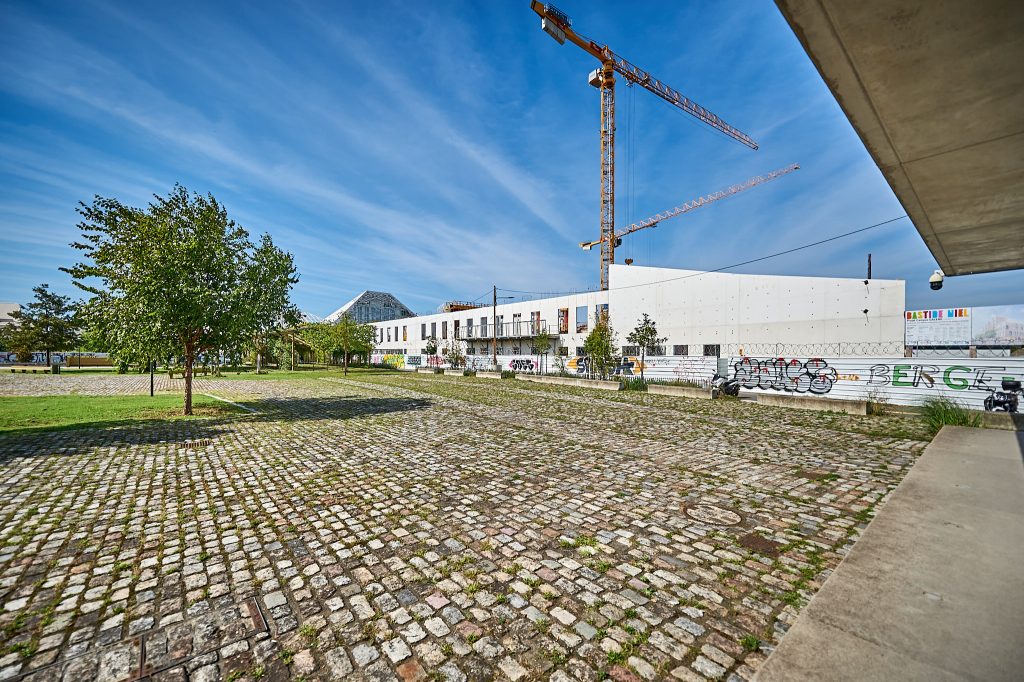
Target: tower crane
[(691, 205), (557, 24)]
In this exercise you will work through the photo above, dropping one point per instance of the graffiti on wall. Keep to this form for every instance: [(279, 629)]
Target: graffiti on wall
[(781, 374), (435, 361), (954, 377), (522, 365), (413, 360), (393, 359)]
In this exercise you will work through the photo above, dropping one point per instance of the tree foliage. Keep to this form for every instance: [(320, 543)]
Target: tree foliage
[(345, 336), (178, 277), (645, 335), (47, 322), (600, 346)]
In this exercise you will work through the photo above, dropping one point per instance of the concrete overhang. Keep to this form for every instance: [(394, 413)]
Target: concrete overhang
[(935, 89)]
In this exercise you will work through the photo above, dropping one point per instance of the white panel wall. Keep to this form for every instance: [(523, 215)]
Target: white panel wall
[(908, 381), (697, 308)]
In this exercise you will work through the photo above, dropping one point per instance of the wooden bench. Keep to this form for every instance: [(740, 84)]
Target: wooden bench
[(196, 371)]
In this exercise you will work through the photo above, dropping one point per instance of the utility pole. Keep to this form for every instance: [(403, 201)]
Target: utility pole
[(494, 327)]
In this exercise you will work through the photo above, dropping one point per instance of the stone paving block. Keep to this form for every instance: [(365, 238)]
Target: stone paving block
[(402, 527)]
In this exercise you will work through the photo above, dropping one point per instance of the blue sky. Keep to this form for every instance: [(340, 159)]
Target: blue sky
[(432, 149)]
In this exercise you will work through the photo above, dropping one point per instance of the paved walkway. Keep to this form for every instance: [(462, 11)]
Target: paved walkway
[(934, 589)]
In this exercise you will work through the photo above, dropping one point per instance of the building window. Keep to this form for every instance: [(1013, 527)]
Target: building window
[(483, 327), (499, 328), (517, 323), (405, 333), (631, 350), (389, 334), (563, 351), (656, 350), (681, 350), (470, 350), (712, 350), (581, 319), (563, 320), (601, 311), (444, 329), (423, 332), (433, 330), (516, 350)]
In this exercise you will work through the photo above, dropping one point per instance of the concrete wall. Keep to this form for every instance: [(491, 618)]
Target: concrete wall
[(696, 308)]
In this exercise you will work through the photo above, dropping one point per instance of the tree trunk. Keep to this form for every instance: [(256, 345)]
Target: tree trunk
[(189, 361), (643, 356), (47, 357), (258, 358), (346, 362)]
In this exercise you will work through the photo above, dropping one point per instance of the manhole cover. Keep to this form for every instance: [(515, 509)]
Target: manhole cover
[(706, 513)]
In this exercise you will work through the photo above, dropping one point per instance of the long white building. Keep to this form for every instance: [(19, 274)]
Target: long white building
[(701, 314)]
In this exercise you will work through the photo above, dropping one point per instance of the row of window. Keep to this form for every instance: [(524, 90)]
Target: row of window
[(582, 324)]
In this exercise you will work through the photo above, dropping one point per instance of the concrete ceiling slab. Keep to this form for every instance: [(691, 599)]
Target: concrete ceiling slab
[(935, 89)]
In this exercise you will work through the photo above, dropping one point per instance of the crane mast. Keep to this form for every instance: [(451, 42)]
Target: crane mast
[(557, 24)]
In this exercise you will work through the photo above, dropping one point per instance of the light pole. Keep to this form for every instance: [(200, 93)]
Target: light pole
[(494, 325)]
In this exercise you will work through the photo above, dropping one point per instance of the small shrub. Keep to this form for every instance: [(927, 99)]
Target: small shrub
[(942, 411), (469, 372), (750, 643), (439, 370), (633, 384), (508, 374), (878, 403)]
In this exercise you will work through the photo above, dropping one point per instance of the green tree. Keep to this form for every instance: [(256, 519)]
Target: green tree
[(47, 321), (268, 306), (453, 355), (645, 335), (431, 346), (175, 278), (351, 337), (600, 346), (541, 344), (320, 336)]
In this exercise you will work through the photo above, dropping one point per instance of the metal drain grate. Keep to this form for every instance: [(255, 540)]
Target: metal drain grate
[(197, 444)]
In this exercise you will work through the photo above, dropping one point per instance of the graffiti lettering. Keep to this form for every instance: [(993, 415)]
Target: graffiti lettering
[(414, 360), (780, 374), (435, 361), (521, 365)]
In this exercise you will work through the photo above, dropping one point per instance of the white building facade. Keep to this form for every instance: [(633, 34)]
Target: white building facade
[(700, 314)]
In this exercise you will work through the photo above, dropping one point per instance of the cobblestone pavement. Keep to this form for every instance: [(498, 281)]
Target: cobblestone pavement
[(416, 527), (84, 384)]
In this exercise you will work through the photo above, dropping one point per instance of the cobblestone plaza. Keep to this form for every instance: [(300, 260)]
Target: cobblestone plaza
[(419, 527)]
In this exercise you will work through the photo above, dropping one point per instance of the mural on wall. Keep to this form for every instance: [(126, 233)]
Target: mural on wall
[(894, 380), (779, 374), (39, 357), (522, 365)]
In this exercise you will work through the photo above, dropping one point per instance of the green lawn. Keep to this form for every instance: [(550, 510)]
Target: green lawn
[(45, 413)]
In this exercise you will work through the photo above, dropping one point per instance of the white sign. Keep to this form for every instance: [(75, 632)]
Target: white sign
[(938, 327)]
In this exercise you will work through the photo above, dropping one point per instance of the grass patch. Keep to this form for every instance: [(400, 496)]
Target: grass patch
[(52, 413), (302, 374), (939, 412)]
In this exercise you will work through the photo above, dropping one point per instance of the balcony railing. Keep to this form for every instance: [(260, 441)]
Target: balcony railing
[(507, 330)]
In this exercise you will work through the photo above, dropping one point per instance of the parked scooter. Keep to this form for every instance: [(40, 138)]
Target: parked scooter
[(1005, 400), (725, 385)]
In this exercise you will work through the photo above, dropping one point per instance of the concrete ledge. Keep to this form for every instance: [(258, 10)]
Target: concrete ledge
[(809, 403), (932, 589), (425, 370), (1004, 421), (453, 372), (488, 375), (683, 391), (571, 381)]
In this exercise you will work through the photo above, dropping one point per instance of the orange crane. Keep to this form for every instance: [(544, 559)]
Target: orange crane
[(558, 25), (691, 205)]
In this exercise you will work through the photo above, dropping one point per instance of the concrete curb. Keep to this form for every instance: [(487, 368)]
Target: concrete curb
[(682, 391), (488, 375), (571, 381), (859, 407)]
